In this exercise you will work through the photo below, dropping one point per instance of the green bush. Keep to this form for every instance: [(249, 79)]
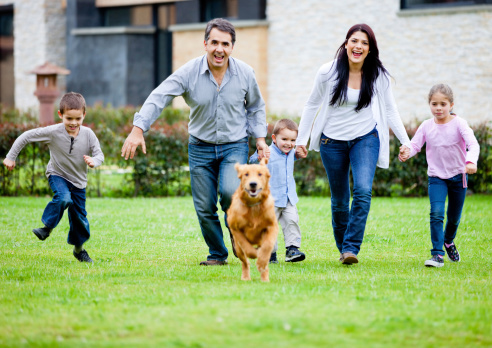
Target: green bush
[(163, 171)]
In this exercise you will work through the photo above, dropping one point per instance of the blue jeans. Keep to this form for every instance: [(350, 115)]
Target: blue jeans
[(438, 190), (68, 196), (338, 156), (212, 175)]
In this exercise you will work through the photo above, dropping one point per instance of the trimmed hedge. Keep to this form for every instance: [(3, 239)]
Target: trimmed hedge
[(164, 170)]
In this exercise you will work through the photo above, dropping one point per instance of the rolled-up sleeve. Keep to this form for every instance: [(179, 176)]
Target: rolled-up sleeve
[(255, 109), (161, 97)]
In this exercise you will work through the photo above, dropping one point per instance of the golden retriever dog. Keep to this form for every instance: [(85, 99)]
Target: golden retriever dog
[(251, 218)]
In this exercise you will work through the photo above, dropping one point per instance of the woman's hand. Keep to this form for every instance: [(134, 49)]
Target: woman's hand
[(301, 151)]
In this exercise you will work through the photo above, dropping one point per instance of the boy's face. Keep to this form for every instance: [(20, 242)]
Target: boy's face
[(72, 119), (285, 140)]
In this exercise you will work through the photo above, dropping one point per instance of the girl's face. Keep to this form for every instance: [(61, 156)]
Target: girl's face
[(441, 108), (357, 47)]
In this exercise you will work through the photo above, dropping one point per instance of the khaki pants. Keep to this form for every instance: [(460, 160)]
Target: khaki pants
[(289, 220)]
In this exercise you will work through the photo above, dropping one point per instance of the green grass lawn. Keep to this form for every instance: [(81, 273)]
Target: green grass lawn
[(146, 288)]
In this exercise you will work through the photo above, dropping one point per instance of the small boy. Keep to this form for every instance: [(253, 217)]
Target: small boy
[(283, 187), (69, 143)]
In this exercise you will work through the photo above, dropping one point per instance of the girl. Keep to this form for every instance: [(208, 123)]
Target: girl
[(356, 108), (447, 137)]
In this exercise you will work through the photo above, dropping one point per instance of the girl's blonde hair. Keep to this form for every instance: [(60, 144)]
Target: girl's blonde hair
[(443, 89)]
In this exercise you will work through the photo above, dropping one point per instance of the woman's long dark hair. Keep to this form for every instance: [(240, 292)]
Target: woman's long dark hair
[(371, 69)]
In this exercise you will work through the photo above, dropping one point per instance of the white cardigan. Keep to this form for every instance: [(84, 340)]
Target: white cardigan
[(317, 110)]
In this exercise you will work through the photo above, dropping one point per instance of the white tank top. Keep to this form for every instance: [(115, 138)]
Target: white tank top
[(344, 123)]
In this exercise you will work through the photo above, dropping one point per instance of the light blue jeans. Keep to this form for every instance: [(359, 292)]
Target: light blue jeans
[(439, 189), (212, 176), (360, 154)]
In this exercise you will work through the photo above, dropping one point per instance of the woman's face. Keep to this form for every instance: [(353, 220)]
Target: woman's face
[(357, 47)]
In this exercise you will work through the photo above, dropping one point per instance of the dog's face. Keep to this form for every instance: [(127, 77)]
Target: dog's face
[(254, 177)]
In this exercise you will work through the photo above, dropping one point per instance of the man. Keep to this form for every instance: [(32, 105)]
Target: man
[(226, 105)]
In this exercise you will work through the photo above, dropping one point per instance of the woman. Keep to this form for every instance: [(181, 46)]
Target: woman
[(356, 108)]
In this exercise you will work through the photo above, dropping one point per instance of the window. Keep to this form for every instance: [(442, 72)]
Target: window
[(422, 4), (7, 55), (6, 21), (160, 16), (210, 9), (128, 16)]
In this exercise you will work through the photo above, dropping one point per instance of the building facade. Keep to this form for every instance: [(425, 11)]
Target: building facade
[(421, 43), (119, 50)]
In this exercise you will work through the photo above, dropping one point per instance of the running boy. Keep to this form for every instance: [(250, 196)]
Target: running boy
[(283, 187), (69, 143), (448, 137)]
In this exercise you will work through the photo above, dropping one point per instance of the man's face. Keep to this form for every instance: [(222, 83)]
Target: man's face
[(219, 48)]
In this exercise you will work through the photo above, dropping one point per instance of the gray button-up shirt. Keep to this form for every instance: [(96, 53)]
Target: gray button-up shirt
[(219, 114)]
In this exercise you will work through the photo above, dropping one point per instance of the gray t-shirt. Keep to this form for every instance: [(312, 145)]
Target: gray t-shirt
[(66, 152)]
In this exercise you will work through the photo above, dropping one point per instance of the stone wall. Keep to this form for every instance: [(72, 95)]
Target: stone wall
[(419, 48), (39, 36)]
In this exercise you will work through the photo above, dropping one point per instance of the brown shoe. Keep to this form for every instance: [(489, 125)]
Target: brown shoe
[(213, 263), (348, 259)]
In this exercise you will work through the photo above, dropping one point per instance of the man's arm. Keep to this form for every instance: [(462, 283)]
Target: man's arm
[(256, 116), (263, 149), (133, 140), (161, 97)]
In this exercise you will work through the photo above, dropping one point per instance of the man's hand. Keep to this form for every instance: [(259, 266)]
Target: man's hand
[(131, 143), (89, 161), (263, 149), (404, 153), (9, 164), (471, 168), (301, 151)]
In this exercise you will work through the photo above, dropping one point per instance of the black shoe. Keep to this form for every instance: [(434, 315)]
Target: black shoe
[(453, 254), (83, 256), (273, 258), (42, 233), (294, 255), (435, 261)]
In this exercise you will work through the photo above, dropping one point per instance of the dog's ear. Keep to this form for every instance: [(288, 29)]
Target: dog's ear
[(264, 161), (237, 166)]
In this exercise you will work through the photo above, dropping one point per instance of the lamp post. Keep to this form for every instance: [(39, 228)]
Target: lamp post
[(47, 90)]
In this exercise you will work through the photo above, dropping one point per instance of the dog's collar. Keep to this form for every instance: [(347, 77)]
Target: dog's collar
[(252, 205)]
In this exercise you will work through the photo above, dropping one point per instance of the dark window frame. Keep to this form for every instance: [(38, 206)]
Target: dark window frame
[(407, 4), (7, 23)]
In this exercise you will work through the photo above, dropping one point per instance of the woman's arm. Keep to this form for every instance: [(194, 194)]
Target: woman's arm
[(312, 106), (391, 112)]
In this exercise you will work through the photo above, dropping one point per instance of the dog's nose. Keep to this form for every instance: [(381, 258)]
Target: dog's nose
[(253, 185)]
